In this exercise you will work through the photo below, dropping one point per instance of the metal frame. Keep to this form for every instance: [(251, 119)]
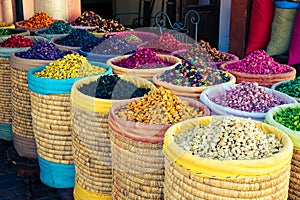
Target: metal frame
[(178, 26)]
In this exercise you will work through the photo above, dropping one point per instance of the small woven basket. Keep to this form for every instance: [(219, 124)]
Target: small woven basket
[(190, 177), (90, 139), (191, 92), (143, 73), (137, 157), (263, 80), (24, 141)]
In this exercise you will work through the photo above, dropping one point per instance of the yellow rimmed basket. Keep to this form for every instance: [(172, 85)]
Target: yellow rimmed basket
[(90, 140), (191, 177)]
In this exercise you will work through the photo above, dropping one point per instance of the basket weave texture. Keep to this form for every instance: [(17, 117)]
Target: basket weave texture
[(137, 157), (90, 139), (190, 177)]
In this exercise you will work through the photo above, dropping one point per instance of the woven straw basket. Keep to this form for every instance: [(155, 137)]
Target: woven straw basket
[(91, 144), (192, 92), (143, 73), (294, 190), (279, 83), (6, 85), (191, 177), (24, 141), (51, 121), (263, 80), (137, 157)]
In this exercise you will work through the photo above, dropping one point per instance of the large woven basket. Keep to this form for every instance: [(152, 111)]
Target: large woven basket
[(279, 83), (191, 177), (91, 144), (137, 157), (192, 92), (24, 141), (5, 86), (143, 73), (217, 109), (294, 190), (263, 80), (51, 120)]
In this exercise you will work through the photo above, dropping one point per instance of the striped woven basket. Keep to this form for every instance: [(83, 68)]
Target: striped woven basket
[(91, 144), (294, 189), (51, 121), (191, 177), (137, 157), (24, 141), (143, 73)]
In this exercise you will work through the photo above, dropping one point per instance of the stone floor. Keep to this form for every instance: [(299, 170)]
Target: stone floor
[(15, 187)]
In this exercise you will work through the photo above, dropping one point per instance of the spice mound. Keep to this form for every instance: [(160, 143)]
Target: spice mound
[(159, 106), (289, 117), (110, 45), (59, 27), (112, 87), (88, 18), (108, 25), (229, 138), (143, 58), (4, 24), (258, 62), (42, 51), (70, 66), (38, 20), (165, 43), (291, 88), (203, 52), (17, 41), (189, 75), (5, 31), (78, 38), (249, 97), (130, 38)]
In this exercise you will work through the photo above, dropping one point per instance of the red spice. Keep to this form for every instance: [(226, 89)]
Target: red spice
[(16, 41)]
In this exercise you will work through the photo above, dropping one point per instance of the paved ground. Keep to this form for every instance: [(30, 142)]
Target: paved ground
[(13, 187)]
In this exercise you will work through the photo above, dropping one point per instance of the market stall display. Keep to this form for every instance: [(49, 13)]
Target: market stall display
[(137, 129), (236, 169), (259, 67), (144, 63), (50, 88), (91, 100), (287, 119), (246, 99), (21, 62), (9, 45), (189, 80)]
